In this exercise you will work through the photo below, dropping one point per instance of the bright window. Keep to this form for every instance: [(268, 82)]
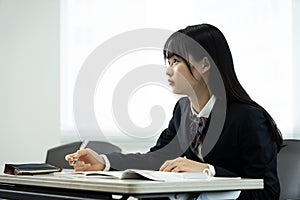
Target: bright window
[(259, 33)]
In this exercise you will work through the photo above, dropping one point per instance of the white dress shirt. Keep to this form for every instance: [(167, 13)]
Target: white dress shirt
[(205, 112)]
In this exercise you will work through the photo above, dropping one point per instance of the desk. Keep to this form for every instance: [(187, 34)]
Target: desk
[(68, 187)]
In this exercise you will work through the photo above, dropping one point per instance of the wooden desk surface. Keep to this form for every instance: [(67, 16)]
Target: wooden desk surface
[(132, 186)]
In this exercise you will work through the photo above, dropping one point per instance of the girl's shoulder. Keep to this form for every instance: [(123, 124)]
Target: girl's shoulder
[(182, 105)]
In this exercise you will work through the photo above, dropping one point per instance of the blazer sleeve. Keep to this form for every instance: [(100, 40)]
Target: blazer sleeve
[(166, 148)]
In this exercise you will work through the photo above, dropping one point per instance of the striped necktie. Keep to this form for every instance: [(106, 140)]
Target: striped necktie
[(197, 127)]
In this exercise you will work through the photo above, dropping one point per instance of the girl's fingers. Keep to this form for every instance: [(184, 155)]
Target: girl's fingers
[(176, 169), (81, 166), (70, 157), (166, 163)]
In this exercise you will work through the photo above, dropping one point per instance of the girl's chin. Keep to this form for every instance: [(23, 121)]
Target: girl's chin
[(177, 91)]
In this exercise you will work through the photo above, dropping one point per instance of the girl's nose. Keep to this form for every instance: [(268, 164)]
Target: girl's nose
[(169, 71)]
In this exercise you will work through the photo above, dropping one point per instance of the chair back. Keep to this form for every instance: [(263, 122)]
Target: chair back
[(289, 169), (56, 156)]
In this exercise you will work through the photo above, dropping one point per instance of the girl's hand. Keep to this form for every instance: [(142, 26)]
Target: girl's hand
[(86, 160), (181, 164)]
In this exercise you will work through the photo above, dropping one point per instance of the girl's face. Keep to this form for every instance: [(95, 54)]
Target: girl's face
[(180, 78)]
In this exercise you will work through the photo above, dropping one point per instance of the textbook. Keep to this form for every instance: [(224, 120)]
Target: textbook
[(146, 174), (30, 169)]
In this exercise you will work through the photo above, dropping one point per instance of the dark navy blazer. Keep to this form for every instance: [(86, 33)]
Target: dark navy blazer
[(243, 147)]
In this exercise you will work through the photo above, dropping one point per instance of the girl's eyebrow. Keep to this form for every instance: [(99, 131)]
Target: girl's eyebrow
[(170, 57), (176, 56), (173, 55)]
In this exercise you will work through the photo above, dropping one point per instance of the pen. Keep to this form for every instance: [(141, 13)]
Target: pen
[(82, 146)]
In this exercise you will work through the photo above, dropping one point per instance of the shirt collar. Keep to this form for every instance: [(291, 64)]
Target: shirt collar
[(206, 110)]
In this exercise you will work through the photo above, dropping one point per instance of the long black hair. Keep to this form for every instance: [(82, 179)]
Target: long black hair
[(216, 47)]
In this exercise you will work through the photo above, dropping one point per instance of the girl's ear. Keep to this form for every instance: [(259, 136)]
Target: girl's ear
[(205, 65)]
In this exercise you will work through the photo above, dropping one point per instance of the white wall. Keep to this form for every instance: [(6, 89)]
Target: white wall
[(29, 79), (296, 64)]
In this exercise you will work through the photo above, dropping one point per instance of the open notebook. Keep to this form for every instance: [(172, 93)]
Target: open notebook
[(141, 174)]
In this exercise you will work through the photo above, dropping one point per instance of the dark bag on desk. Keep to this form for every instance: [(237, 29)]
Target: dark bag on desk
[(30, 169)]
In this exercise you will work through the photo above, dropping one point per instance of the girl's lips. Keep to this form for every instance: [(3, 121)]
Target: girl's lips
[(171, 82)]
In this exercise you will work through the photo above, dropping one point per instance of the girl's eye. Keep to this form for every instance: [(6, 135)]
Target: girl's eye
[(172, 61), (175, 60)]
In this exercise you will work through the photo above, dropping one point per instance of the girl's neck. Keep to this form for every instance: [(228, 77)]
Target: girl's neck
[(199, 100)]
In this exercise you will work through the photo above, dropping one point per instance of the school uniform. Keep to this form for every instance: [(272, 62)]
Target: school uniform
[(242, 146)]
